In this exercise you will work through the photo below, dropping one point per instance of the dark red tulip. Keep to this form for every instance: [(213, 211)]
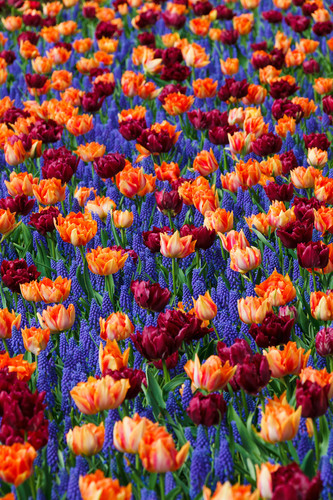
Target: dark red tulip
[(283, 107), (169, 202), (304, 207), (20, 204), (313, 254), (289, 482), (229, 37), (173, 20), (152, 238), (46, 131), (135, 377), (108, 166), (295, 232), (155, 343), (324, 342), (310, 67), (43, 221), (273, 331), (267, 144), (253, 374), (289, 161), (177, 72), (150, 295), (272, 16), (207, 410), (279, 192), (147, 39), (323, 28), (312, 397), (203, 237), (282, 88), (171, 362), (328, 104), (59, 163), (319, 141), (224, 13), (132, 129), (16, 272), (35, 81)]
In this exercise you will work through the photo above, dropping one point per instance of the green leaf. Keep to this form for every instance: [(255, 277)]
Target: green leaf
[(154, 393), (174, 383), (263, 239), (308, 464)]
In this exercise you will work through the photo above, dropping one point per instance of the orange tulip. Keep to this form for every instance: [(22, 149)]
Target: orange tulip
[(7, 221), (82, 194), (130, 181), (90, 151), (230, 182), (204, 307), (278, 216), (288, 361), (323, 219), (248, 173), (169, 39), (7, 322), (122, 219), (54, 291), (111, 357), (128, 433), (206, 200), (320, 377), (323, 189), (14, 153), (271, 166), (307, 106), (35, 340), (137, 113), (167, 171), (267, 74), (204, 88), (97, 395), (256, 94), (280, 422), (83, 45), (195, 56), (243, 23), (117, 326), (230, 492), (61, 80), (240, 143), (131, 82), (259, 222), (28, 50), (101, 206), (200, 26), (264, 479), (323, 85), (205, 163), (148, 91), (230, 66), (12, 23), (18, 365), (9, 496), (158, 452), (294, 58), (59, 55), (104, 261), (285, 125), (282, 42), (80, 124), (177, 103), (321, 305), (76, 229), (211, 376), (57, 318), (16, 463), (30, 291), (277, 288), (220, 220), (176, 247), (86, 440), (108, 45), (317, 158), (50, 34), (253, 309), (232, 239), (243, 260), (49, 191), (67, 28), (96, 486)]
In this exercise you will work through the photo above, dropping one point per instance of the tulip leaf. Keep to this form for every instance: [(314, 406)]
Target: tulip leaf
[(174, 383), (263, 239), (154, 393), (308, 464), (247, 439)]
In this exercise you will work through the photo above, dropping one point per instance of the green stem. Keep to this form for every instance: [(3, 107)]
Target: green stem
[(5, 346), (109, 285), (284, 456), (314, 280), (165, 372), (32, 487), (244, 402), (85, 271), (162, 487), (316, 439), (170, 220), (174, 265)]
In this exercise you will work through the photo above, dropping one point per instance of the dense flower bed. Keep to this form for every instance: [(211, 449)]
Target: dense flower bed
[(166, 258)]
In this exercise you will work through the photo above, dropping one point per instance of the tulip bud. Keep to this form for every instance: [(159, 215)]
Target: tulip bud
[(204, 307), (324, 342)]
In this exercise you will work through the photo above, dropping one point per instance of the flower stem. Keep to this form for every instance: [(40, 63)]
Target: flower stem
[(162, 487), (174, 264), (165, 372), (316, 439)]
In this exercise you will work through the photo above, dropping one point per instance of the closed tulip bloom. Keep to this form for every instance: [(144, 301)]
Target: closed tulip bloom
[(158, 452), (264, 479), (288, 360), (204, 307), (323, 219), (21, 183), (150, 295), (220, 220), (7, 322), (229, 66), (317, 158), (30, 291), (128, 433), (245, 259), (205, 163), (320, 377), (97, 395), (207, 410), (312, 398), (57, 318), (76, 228), (230, 181), (122, 219), (86, 440), (313, 254), (7, 221), (248, 173), (324, 342), (111, 357), (35, 340), (49, 191), (280, 422), (277, 288), (232, 239), (130, 181), (260, 223), (101, 206), (176, 247), (321, 305), (117, 326), (253, 309), (323, 190), (304, 178), (204, 88), (104, 261), (82, 194), (96, 486), (169, 202), (211, 376), (54, 291), (227, 491), (240, 143), (16, 463)]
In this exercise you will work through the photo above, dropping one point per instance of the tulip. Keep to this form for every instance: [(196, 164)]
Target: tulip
[(97, 395), (274, 330), (18, 365), (122, 219), (287, 361), (248, 174), (43, 221), (230, 492), (35, 340), (30, 291), (117, 327), (321, 305), (96, 485), (220, 220), (207, 410), (204, 238), (277, 288), (16, 272), (158, 452), (76, 228), (86, 440), (7, 322), (54, 291), (49, 191), (150, 295), (169, 202), (136, 379), (253, 309), (211, 376), (155, 343), (101, 206), (176, 247), (128, 433), (16, 463), (57, 318), (312, 397), (245, 259), (295, 232), (324, 342), (104, 261), (260, 222), (313, 254), (7, 222), (280, 422), (253, 373), (111, 358), (21, 183), (204, 307), (205, 163)]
